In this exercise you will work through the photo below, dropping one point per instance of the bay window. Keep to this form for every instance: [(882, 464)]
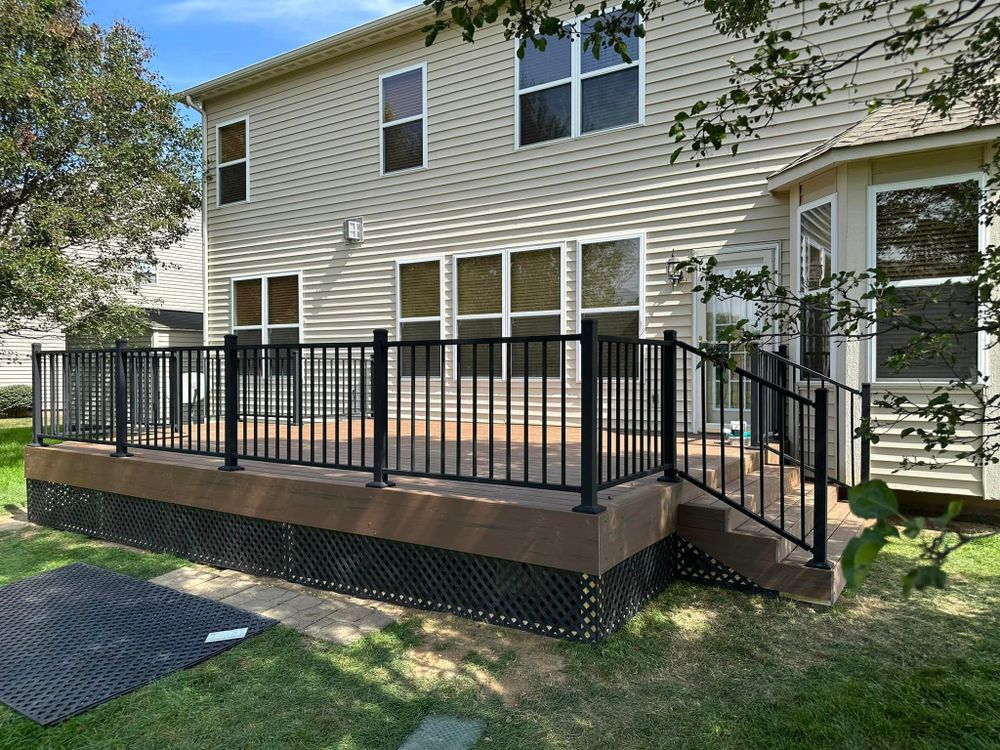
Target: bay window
[(565, 91), (927, 237)]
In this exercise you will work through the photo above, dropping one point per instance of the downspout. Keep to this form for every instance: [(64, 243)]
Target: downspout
[(200, 108)]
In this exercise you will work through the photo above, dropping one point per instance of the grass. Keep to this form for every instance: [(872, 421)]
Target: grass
[(698, 668), (14, 433)]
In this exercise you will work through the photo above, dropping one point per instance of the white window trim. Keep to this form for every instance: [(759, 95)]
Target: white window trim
[(399, 295), (245, 119), (264, 326), (576, 88), (873, 191), (797, 262), (422, 67), (506, 314)]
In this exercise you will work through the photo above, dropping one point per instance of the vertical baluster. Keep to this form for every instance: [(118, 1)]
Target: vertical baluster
[(509, 373), (562, 412), (475, 409), (545, 411), (527, 442), (492, 365)]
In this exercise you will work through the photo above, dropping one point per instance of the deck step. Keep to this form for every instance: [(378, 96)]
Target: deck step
[(752, 549)]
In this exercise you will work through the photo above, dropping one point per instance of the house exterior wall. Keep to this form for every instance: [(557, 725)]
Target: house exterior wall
[(850, 184), (314, 161), (179, 287)]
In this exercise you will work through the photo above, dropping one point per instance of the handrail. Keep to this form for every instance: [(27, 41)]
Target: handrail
[(762, 489), (813, 374)]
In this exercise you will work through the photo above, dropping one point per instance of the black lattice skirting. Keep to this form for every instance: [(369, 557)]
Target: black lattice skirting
[(548, 601)]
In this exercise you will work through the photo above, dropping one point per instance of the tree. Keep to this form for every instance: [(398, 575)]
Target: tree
[(97, 170), (784, 68)]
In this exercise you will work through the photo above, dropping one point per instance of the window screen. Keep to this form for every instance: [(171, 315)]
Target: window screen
[(419, 289), (815, 258), (605, 89), (927, 239), (231, 173), (403, 121)]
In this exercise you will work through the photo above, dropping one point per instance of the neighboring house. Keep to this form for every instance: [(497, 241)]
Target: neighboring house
[(172, 296), (367, 181)]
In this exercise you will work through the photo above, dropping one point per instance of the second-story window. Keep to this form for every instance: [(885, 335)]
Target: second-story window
[(404, 120), (564, 91), (233, 172)]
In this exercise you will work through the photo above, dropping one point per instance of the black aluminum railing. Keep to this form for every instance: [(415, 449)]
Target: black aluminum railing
[(849, 414), (575, 413)]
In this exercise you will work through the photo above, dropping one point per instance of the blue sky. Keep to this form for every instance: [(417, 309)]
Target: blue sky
[(195, 40)]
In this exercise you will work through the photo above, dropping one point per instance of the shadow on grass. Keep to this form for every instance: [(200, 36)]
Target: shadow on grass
[(699, 668)]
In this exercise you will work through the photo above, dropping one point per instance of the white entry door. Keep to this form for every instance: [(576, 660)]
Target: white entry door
[(712, 318)]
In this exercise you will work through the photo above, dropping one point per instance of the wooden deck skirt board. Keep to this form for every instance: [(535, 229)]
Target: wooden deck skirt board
[(510, 523)]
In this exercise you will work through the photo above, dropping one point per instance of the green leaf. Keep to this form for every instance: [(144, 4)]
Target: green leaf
[(873, 500), (858, 556)]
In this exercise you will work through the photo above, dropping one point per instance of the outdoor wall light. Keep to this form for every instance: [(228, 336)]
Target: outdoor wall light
[(674, 272)]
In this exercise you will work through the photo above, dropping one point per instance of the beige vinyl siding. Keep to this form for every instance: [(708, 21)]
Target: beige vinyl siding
[(179, 277), (15, 356), (314, 161)]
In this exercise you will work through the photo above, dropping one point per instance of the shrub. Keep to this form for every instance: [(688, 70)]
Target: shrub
[(15, 400)]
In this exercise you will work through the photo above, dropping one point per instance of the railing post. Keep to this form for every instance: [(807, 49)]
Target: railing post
[(820, 481), (176, 415), (36, 396), (866, 444), (756, 392), (230, 404), (590, 381), (668, 407), (120, 381), (380, 406)]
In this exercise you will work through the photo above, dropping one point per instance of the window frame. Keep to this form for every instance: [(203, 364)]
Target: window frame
[(576, 88), (219, 165), (422, 67), (979, 178), (264, 308), (400, 320), (506, 315), (149, 271), (799, 268)]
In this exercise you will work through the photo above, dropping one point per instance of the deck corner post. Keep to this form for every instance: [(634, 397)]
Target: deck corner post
[(37, 440), (380, 407), (120, 380), (231, 368), (590, 374), (866, 443), (668, 407), (820, 481)]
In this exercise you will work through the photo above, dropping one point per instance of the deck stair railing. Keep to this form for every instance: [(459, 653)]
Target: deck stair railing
[(850, 411), (577, 413)]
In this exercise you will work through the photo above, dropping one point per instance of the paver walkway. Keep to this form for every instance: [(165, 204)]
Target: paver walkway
[(323, 615)]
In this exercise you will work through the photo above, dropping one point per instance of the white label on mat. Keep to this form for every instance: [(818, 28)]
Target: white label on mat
[(226, 635)]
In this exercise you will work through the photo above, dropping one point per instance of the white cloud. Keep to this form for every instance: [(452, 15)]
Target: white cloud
[(313, 17)]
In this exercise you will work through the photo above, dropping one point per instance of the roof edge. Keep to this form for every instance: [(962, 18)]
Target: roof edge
[(323, 49), (783, 179)]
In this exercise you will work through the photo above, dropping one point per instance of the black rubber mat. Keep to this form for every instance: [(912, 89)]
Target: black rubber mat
[(78, 636)]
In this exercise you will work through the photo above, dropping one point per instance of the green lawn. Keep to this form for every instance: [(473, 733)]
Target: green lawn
[(14, 433), (699, 668)]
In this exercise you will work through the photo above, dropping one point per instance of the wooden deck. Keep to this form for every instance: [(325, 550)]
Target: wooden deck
[(521, 524)]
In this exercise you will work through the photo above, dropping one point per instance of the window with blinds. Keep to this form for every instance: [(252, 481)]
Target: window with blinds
[(928, 240), (266, 310), (403, 120), (232, 173), (516, 293), (418, 286), (557, 99), (610, 285)]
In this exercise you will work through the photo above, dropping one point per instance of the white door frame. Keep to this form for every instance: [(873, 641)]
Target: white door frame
[(770, 253)]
